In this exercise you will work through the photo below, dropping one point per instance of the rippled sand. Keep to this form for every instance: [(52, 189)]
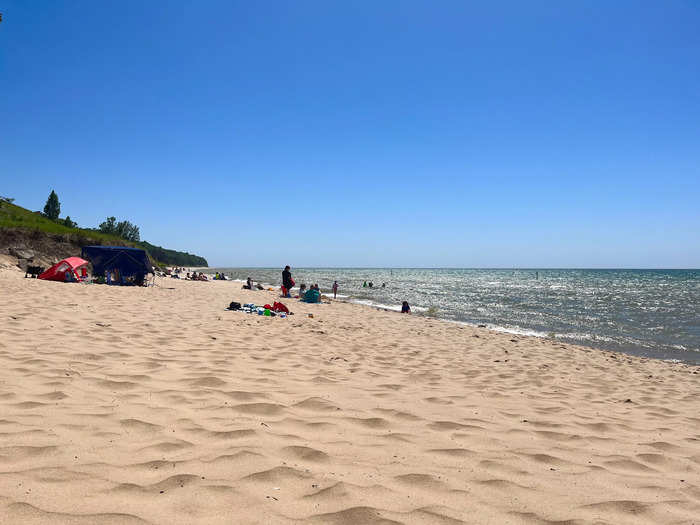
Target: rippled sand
[(132, 405)]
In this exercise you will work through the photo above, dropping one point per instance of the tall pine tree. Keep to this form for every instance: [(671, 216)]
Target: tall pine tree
[(53, 208)]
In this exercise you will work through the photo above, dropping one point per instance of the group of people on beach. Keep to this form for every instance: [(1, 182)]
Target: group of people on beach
[(194, 276), (303, 289), (288, 283)]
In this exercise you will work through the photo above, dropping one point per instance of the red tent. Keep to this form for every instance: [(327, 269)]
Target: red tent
[(59, 270)]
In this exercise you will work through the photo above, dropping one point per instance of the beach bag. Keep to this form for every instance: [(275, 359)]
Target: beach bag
[(234, 306)]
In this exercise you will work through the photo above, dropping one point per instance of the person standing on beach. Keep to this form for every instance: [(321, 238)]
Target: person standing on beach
[(335, 289), (287, 281)]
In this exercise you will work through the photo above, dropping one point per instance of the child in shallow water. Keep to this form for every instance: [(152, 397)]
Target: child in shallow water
[(405, 309)]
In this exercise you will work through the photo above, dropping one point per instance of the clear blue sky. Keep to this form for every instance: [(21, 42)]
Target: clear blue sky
[(478, 134)]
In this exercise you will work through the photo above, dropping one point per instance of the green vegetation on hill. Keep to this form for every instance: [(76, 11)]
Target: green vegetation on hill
[(13, 216), (16, 217), (173, 257)]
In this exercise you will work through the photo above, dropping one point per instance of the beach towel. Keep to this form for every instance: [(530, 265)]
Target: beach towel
[(279, 307)]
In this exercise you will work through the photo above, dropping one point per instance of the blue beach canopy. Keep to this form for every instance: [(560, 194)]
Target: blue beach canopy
[(128, 261)]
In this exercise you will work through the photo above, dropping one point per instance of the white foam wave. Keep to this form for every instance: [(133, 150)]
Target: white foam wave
[(516, 331), (502, 329), (392, 307), (584, 337)]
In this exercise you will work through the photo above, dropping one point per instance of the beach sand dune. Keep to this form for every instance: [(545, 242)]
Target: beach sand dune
[(135, 405)]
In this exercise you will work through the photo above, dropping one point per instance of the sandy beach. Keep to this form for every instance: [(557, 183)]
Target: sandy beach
[(156, 405)]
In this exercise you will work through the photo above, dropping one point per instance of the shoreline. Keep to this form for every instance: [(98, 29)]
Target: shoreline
[(133, 405), (520, 332), (526, 333)]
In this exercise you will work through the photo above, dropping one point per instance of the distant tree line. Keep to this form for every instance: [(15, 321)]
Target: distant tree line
[(173, 257)]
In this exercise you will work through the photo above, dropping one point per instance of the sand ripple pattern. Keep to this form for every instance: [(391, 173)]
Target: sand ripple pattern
[(157, 406)]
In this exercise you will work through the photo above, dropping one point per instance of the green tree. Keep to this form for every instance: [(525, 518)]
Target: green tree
[(128, 231), (123, 229), (109, 226), (53, 208), (68, 222)]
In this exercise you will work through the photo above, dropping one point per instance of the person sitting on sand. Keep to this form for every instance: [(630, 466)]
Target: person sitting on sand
[(302, 290), (248, 284), (405, 309), (312, 296)]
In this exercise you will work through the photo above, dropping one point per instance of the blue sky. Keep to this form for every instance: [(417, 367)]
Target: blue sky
[(476, 134)]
